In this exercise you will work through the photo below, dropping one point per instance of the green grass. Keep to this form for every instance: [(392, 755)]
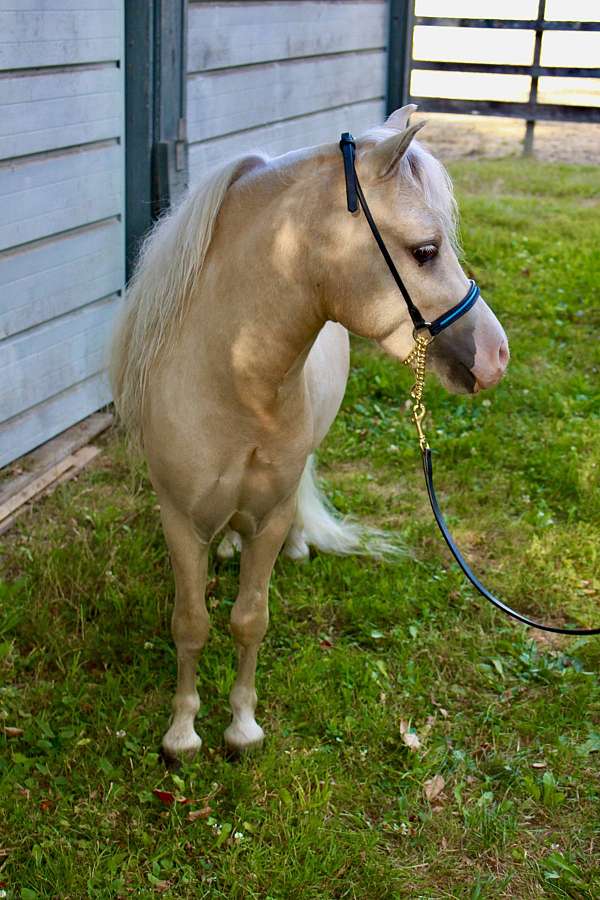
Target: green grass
[(334, 805)]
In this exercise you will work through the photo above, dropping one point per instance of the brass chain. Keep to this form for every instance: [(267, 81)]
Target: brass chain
[(417, 359)]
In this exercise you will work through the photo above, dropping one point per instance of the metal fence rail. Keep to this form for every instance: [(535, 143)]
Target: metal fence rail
[(401, 65)]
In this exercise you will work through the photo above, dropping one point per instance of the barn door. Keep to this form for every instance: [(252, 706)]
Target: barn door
[(92, 148), (155, 105), (61, 212)]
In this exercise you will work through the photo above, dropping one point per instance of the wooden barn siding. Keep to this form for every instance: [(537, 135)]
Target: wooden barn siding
[(275, 75), (61, 212)]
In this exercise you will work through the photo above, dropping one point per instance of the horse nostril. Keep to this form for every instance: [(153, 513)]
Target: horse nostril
[(492, 368)]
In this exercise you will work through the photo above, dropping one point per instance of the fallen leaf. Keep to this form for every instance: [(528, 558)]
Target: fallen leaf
[(45, 805), (165, 797), (169, 798), (325, 644), (434, 787), (10, 731), (409, 737), (203, 813)]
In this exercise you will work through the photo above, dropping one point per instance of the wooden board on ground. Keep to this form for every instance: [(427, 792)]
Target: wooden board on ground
[(62, 471), (23, 472)]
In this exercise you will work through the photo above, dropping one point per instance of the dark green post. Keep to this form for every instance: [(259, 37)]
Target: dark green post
[(400, 36), (170, 138), (155, 133), (139, 123)]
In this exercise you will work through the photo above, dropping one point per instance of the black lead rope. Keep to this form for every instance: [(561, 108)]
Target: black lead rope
[(495, 601), (354, 196)]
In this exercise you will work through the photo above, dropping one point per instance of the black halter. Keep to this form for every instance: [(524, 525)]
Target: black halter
[(354, 196)]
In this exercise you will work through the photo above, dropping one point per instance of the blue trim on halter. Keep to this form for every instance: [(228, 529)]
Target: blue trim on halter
[(457, 311)]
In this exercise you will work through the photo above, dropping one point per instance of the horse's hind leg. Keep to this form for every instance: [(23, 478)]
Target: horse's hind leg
[(249, 620), (189, 626), (231, 543)]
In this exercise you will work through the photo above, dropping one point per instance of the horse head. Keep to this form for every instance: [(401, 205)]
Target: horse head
[(410, 196)]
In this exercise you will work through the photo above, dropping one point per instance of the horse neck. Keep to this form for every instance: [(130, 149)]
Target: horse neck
[(261, 309)]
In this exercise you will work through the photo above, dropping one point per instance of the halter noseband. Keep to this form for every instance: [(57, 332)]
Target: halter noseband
[(416, 359), (354, 197)]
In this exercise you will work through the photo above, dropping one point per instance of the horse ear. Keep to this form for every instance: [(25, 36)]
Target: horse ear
[(384, 157), (398, 120)]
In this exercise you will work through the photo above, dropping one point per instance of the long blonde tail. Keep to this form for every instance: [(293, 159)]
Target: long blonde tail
[(322, 527)]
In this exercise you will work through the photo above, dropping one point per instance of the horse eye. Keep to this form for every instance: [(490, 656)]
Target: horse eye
[(425, 253)]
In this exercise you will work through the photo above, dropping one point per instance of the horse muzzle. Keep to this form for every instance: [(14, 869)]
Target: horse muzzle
[(490, 366)]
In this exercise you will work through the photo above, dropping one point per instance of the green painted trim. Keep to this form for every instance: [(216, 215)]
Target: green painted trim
[(400, 33), (155, 79)]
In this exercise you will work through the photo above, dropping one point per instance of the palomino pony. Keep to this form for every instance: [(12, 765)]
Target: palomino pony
[(231, 360)]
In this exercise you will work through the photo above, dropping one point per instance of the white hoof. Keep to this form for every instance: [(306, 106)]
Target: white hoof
[(244, 736), (295, 546), (230, 545), (179, 744)]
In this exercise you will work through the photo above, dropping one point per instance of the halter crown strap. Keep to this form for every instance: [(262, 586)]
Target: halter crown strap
[(348, 148), (354, 191), (354, 196)]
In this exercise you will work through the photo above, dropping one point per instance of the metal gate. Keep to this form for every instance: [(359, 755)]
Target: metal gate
[(402, 65)]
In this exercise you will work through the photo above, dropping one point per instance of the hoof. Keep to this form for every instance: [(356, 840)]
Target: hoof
[(171, 764), (240, 739), (296, 548), (177, 746)]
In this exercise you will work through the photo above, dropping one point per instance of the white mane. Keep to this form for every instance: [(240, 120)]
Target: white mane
[(430, 176), (427, 173), (159, 294)]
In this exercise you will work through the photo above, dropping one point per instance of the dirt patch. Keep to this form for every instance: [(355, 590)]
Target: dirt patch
[(460, 137)]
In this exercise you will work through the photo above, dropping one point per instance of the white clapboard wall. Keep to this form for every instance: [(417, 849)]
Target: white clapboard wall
[(61, 212), (277, 75)]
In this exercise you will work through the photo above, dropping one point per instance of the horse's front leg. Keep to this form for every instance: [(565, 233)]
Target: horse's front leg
[(189, 626), (249, 620)]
